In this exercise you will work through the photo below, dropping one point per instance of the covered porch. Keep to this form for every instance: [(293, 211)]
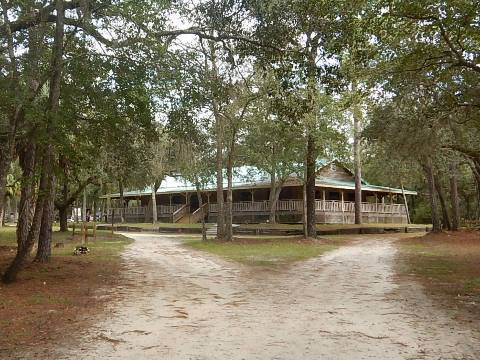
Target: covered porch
[(252, 205)]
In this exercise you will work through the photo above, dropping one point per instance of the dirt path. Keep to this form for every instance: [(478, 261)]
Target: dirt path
[(344, 305)]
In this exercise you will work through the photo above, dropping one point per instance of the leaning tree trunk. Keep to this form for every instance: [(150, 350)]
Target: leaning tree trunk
[(67, 200), (428, 169), (443, 203), (27, 163), (200, 204), (454, 199), (24, 251)]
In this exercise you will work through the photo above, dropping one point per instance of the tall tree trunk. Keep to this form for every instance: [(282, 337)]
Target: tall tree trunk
[(310, 191), (454, 198), (63, 217), (275, 190), (357, 116), (219, 146), (428, 169), (443, 204), (45, 240), (311, 155), (44, 250), (154, 205), (475, 167), (228, 214), (304, 206), (272, 218), (122, 202), (84, 206)]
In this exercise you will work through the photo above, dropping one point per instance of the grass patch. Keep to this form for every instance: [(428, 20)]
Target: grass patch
[(447, 264), (325, 226), (266, 250), (149, 226), (48, 299)]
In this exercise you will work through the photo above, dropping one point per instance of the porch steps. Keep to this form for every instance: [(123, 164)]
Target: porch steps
[(212, 231), (185, 219)]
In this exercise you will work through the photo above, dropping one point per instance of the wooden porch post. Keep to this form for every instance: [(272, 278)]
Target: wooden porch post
[(390, 196), (252, 194), (343, 210), (406, 205), (323, 200), (170, 199), (109, 206), (376, 208)]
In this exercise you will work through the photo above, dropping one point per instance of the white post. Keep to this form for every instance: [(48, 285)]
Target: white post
[(323, 200), (406, 205), (343, 210)]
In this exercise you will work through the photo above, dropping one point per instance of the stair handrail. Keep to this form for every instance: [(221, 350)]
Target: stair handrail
[(197, 214), (181, 211)]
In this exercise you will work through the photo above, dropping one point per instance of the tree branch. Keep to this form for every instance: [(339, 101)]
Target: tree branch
[(69, 200)]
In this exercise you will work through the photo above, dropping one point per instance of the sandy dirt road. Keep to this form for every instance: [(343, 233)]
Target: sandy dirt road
[(343, 305)]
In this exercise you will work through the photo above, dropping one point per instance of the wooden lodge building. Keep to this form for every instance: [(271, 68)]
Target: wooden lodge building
[(335, 194)]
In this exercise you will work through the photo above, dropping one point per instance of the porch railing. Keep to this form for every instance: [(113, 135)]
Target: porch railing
[(138, 211), (128, 211), (320, 206), (168, 209)]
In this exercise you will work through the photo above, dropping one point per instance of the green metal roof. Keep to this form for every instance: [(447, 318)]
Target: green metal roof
[(247, 177)]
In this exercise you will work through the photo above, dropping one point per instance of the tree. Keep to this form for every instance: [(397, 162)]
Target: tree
[(421, 53), (310, 35), (271, 142)]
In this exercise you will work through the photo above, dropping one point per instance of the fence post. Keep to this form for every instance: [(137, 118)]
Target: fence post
[(113, 221)]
